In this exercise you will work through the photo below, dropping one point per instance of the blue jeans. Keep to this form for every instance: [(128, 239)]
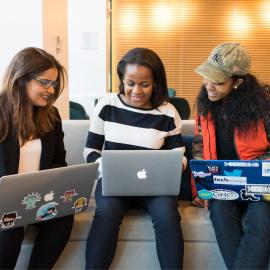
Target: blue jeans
[(102, 240), (243, 233)]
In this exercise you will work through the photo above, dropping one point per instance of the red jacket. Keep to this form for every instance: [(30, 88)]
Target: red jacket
[(252, 146)]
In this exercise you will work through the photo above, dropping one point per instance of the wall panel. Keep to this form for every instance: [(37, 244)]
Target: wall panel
[(183, 32)]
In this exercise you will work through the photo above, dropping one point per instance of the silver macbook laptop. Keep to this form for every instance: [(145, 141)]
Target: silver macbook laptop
[(37, 196), (141, 172)]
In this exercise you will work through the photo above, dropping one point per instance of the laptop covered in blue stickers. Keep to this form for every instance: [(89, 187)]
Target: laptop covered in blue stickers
[(242, 180), (38, 196)]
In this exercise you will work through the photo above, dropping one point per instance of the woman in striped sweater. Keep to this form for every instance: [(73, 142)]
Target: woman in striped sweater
[(139, 117)]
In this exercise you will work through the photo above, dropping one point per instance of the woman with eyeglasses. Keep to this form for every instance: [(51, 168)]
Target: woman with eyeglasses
[(31, 139)]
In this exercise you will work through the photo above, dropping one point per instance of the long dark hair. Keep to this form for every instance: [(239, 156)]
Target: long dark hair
[(27, 64), (147, 58), (243, 108)]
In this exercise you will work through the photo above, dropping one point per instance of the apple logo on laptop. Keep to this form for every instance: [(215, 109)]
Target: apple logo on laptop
[(142, 174)]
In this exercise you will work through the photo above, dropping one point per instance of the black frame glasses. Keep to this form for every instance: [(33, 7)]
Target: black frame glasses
[(47, 83)]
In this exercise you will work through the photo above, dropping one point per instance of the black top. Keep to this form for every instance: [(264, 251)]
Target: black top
[(224, 140), (52, 153)]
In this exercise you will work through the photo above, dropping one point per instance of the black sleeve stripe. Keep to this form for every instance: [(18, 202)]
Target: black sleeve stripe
[(92, 157), (121, 146), (94, 141), (174, 141), (125, 117)]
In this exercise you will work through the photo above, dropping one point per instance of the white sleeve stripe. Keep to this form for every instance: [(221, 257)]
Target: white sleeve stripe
[(126, 134)]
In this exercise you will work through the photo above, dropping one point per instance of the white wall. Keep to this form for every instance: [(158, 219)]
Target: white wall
[(20, 27), (87, 50)]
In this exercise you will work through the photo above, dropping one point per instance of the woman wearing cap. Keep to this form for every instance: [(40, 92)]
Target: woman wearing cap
[(233, 124)]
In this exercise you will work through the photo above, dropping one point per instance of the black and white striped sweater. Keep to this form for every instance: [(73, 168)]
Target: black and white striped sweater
[(118, 126)]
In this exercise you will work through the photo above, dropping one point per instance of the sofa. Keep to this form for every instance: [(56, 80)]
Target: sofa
[(136, 244)]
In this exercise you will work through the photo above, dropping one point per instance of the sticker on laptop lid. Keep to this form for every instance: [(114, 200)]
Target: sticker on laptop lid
[(79, 204), (31, 199), (229, 180), (68, 195), (205, 194), (224, 194), (49, 196), (266, 197), (201, 174), (241, 164), (258, 189), (266, 169), (8, 219), (233, 173), (213, 169), (47, 211), (248, 196)]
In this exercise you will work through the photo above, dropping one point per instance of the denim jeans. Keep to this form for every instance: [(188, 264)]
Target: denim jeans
[(243, 233), (102, 240)]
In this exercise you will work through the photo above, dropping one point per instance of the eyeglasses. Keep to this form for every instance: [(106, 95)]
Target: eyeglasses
[(47, 83)]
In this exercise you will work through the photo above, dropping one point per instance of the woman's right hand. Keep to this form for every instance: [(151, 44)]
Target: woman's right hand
[(200, 203)]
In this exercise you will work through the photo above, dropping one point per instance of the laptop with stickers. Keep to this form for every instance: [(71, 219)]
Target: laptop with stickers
[(141, 172), (242, 180), (37, 196)]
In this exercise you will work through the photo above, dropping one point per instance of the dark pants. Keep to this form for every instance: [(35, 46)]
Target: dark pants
[(51, 240), (247, 246), (102, 239)]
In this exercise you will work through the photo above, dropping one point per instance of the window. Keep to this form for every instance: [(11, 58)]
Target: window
[(183, 33)]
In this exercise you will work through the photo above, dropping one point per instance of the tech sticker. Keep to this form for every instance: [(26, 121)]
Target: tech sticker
[(265, 168), (8, 219), (229, 180), (31, 199)]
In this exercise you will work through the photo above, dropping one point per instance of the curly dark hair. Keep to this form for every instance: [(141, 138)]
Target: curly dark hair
[(243, 108)]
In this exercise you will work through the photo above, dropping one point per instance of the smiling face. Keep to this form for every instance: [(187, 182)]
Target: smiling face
[(138, 86), (217, 91), (40, 89)]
